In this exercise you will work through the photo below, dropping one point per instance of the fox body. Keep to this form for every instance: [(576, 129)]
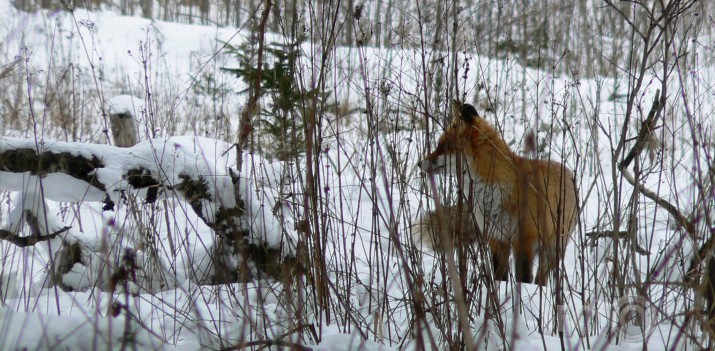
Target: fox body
[(517, 203)]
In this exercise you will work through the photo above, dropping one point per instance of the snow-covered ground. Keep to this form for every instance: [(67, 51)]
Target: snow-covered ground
[(370, 192)]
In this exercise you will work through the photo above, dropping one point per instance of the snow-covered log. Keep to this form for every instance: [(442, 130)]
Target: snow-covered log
[(91, 172), (196, 169)]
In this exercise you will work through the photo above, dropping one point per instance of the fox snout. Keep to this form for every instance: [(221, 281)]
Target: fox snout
[(433, 164)]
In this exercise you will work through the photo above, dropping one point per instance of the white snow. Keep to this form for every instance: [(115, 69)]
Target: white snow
[(126, 104), (171, 298)]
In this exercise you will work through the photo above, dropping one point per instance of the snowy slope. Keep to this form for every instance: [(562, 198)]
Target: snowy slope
[(365, 200)]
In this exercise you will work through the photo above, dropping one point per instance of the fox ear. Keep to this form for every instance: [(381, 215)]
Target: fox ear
[(466, 112), (469, 113)]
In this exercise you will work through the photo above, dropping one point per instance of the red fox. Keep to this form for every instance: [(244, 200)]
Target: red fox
[(525, 204)]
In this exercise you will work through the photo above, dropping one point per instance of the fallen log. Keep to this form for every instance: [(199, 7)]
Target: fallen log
[(186, 167)]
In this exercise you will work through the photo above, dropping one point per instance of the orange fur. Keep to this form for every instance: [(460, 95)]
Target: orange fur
[(522, 204)]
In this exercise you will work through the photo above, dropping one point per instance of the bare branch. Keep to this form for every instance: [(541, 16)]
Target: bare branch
[(641, 141), (25, 241), (645, 131)]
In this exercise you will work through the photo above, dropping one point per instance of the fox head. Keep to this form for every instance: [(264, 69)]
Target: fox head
[(457, 137)]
